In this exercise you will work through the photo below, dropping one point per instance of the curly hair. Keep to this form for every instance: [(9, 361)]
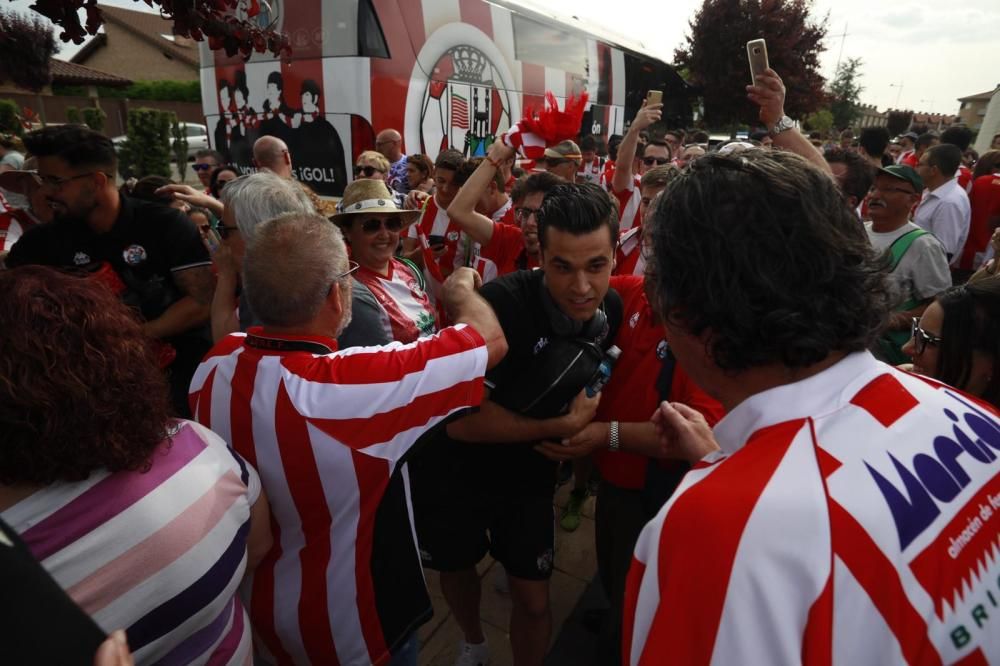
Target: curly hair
[(759, 250), (79, 385)]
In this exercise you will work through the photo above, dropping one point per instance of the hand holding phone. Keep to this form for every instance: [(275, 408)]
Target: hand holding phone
[(654, 97)]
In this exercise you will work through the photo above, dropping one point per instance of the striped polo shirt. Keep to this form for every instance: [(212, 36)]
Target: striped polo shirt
[(158, 553)]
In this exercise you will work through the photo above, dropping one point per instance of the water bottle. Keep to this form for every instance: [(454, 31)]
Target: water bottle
[(603, 371)]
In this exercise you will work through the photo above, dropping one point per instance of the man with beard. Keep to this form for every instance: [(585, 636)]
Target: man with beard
[(149, 253)]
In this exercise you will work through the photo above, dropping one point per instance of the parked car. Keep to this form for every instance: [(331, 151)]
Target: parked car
[(197, 138)]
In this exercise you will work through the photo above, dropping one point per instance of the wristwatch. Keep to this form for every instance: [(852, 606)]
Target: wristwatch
[(613, 442), (782, 125)]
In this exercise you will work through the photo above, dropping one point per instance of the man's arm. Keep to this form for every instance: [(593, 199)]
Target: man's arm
[(191, 310), (465, 306), (463, 209), (769, 94), (494, 423), (223, 311), (623, 177), (189, 195)]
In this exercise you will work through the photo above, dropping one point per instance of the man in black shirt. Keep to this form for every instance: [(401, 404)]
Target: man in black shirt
[(557, 321), (150, 253)]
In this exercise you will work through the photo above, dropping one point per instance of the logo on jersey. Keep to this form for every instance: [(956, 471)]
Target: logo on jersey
[(134, 255), (633, 320), (540, 345), (452, 236), (81, 258), (946, 568)]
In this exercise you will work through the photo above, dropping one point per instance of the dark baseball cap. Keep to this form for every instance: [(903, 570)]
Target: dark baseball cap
[(907, 173)]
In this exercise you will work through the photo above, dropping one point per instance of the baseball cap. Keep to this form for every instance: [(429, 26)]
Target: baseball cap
[(907, 173), (564, 150)]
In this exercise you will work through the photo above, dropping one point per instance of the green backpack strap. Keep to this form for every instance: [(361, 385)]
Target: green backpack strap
[(891, 344), (899, 248), (417, 273)]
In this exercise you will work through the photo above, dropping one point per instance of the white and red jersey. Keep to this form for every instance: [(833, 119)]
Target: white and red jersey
[(629, 259), (14, 222), (407, 312), (591, 172), (850, 518), (629, 201), (607, 174), (504, 253), (505, 213), (328, 431)]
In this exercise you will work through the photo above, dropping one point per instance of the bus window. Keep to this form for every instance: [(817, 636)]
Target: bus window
[(371, 41), (545, 45)]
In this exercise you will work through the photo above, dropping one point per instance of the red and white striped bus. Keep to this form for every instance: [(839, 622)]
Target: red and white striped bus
[(445, 73)]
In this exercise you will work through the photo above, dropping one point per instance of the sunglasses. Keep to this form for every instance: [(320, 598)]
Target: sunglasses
[(658, 161), (203, 167), (391, 224), (922, 338), (367, 170)]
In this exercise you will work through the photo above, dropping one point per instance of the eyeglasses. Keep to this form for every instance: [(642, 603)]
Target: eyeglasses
[(203, 167), (367, 170), (57, 182), (524, 213), (352, 266), (658, 161), (224, 230), (391, 224), (922, 338)]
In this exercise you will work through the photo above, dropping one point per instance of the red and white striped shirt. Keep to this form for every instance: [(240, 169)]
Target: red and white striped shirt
[(13, 223), (328, 431), (629, 201), (629, 259), (851, 518), (407, 313)]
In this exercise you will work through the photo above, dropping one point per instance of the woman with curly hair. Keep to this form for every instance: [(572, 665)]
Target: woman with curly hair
[(957, 339), (148, 523)]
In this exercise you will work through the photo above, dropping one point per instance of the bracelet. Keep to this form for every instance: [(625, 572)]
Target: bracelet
[(613, 443), (495, 163)]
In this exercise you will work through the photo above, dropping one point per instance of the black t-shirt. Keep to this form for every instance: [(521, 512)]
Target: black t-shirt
[(516, 298), (147, 243)]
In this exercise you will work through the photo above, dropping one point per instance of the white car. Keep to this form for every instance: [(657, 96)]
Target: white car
[(197, 138)]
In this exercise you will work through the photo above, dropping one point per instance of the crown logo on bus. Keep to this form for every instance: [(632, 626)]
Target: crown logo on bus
[(470, 63)]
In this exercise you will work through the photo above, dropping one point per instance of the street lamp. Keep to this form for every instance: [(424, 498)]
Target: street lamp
[(899, 91)]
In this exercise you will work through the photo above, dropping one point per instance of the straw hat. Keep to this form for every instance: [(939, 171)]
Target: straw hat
[(367, 196)]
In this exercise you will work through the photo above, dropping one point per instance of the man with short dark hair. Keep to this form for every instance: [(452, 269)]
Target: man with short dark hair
[(628, 256), (206, 161), (854, 174), (434, 234), (906, 142), (152, 253), (837, 513), (872, 144), (591, 165), (497, 496), (960, 137), (944, 210), (920, 146), (614, 142)]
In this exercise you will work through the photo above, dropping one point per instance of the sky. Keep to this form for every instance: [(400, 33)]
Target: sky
[(916, 54)]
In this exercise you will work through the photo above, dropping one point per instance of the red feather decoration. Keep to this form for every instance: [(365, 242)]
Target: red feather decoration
[(552, 124)]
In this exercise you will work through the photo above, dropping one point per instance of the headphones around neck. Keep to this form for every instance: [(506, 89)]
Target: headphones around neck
[(565, 326)]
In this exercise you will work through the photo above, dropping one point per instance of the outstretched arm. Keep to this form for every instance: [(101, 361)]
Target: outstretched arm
[(769, 94), (626, 150)]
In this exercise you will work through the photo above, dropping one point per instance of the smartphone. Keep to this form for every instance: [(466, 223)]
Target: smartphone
[(654, 97), (757, 55), (435, 242)]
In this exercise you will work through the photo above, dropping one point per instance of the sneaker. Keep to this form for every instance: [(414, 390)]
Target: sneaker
[(571, 514), (473, 654)]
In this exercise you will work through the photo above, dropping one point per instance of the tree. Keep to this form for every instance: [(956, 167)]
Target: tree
[(146, 150), (94, 117), (898, 122), (818, 121), (216, 20), (26, 46), (10, 121), (845, 94), (715, 54)]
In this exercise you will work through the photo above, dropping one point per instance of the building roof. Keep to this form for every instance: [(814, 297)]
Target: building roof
[(150, 27), (986, 96), (72, 74)]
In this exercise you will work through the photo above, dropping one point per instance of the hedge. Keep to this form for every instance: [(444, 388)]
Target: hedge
[(172, 91)]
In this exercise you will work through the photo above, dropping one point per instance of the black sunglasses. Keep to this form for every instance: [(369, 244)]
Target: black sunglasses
[(658, 161), (203, 167), (922, 338), (367, 170), (391, 224)]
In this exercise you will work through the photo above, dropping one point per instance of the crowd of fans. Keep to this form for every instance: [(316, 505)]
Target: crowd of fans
[(239, 419)]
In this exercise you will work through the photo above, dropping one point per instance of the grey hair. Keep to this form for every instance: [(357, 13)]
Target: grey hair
[(290, 265), (263, 196)]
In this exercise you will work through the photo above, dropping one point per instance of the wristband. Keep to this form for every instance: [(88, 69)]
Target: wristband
[(613, 442), (495, 163)]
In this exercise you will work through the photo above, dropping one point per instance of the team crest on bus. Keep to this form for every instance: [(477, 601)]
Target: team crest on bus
[(465, 105)]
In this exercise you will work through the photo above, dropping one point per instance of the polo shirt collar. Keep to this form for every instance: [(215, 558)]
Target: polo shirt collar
[(283, 343), (814, 396)]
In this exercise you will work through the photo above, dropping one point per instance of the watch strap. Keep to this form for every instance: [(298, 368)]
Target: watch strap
[(613, 436)]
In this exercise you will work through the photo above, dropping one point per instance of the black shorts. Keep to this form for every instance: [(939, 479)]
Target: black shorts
[(518, 532)]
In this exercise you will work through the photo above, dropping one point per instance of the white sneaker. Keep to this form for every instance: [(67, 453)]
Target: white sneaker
[(473, 654)]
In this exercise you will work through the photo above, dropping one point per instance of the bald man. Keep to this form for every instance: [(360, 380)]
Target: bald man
[(271, 153), (389, 142)]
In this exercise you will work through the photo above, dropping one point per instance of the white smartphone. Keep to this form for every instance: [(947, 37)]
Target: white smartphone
[(757, 56)]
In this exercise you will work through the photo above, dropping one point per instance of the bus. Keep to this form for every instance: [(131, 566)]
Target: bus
[(444, 73)]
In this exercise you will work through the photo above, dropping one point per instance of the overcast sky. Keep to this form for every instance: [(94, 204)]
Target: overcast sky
[(935, 52)]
